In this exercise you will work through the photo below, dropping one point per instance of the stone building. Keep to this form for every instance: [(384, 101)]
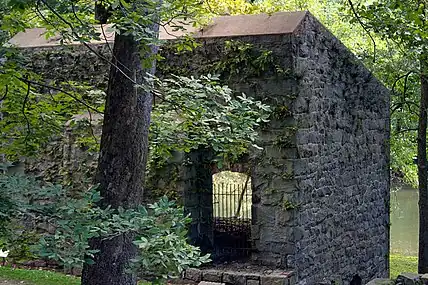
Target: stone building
[(320, 187)]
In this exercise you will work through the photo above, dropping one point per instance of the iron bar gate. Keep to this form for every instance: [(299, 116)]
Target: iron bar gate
[(232, 221)]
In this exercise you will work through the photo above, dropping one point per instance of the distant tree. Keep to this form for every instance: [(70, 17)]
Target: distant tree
[(406, 24)]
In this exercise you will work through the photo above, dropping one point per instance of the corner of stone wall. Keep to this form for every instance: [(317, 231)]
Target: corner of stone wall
[(342, 172)]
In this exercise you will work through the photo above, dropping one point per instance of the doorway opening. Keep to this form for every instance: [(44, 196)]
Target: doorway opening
[(231, 216)]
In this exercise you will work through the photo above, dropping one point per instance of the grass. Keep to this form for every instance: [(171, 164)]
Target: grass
[(38, 277), (401, 263), (41, 277)]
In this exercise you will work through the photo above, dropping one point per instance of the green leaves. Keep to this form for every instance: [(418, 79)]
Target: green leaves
[(164, 248), (403, 25), (31, 118), (405, 22), (160, 230), (195, 112)]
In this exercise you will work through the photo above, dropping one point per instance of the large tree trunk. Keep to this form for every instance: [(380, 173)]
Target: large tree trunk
[(422, 170), (122, 161)]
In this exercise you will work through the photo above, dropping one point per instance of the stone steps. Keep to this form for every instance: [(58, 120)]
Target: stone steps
[(230, 277)]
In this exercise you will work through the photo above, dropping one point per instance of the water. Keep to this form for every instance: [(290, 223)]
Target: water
[(404, 220)]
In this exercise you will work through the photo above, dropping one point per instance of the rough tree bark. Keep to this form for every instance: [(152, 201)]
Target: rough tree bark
[(122, 160), (423, 170)]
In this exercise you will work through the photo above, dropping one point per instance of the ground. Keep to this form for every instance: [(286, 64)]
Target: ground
[(9, 276)]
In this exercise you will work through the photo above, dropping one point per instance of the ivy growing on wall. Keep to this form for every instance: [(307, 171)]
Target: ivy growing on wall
[(238, 59), (244, 60)]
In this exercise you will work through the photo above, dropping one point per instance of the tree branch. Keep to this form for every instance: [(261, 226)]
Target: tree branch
[(364, 27), (91, 128), (84, 42), (73, 8), (25, 115), (401, 77), (408, 104), (60, 90)]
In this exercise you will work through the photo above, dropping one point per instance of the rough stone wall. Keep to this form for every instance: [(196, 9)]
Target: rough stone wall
[(321, 185), (273, 188), (70, 63), (64, 161), (342, 173), (276, 85), (197, 181)]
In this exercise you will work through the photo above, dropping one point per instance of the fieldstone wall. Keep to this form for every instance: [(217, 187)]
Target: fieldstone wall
[(273, 187), (197, 183), (321, 184), (342, 174), (64, 160), (70, 63)]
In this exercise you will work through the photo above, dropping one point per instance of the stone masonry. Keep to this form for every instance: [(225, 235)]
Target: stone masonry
[(342, 170), (321, 184)]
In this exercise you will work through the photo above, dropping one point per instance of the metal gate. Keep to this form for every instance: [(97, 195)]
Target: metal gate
[(232, 221)]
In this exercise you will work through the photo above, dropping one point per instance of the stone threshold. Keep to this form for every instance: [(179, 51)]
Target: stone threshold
[(231, 277)]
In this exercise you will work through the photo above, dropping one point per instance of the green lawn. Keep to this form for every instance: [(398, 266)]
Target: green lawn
[(41, 277), (400, 263), (38, 277)]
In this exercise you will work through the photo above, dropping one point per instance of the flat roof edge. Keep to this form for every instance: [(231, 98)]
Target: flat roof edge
[(280, 23)]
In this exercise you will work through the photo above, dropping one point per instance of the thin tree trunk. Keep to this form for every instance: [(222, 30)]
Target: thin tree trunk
[(241, 196), (423, 170), (122, 161)]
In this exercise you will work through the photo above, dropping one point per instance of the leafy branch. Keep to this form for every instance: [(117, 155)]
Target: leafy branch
[(62, 91), (160, 229), (24, 114)]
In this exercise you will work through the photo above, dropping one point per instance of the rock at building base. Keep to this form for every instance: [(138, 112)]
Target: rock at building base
[(235, 278), (408, 279), (381, 281), (193, 274), (424, 278), (210, 283), (212, 276)]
